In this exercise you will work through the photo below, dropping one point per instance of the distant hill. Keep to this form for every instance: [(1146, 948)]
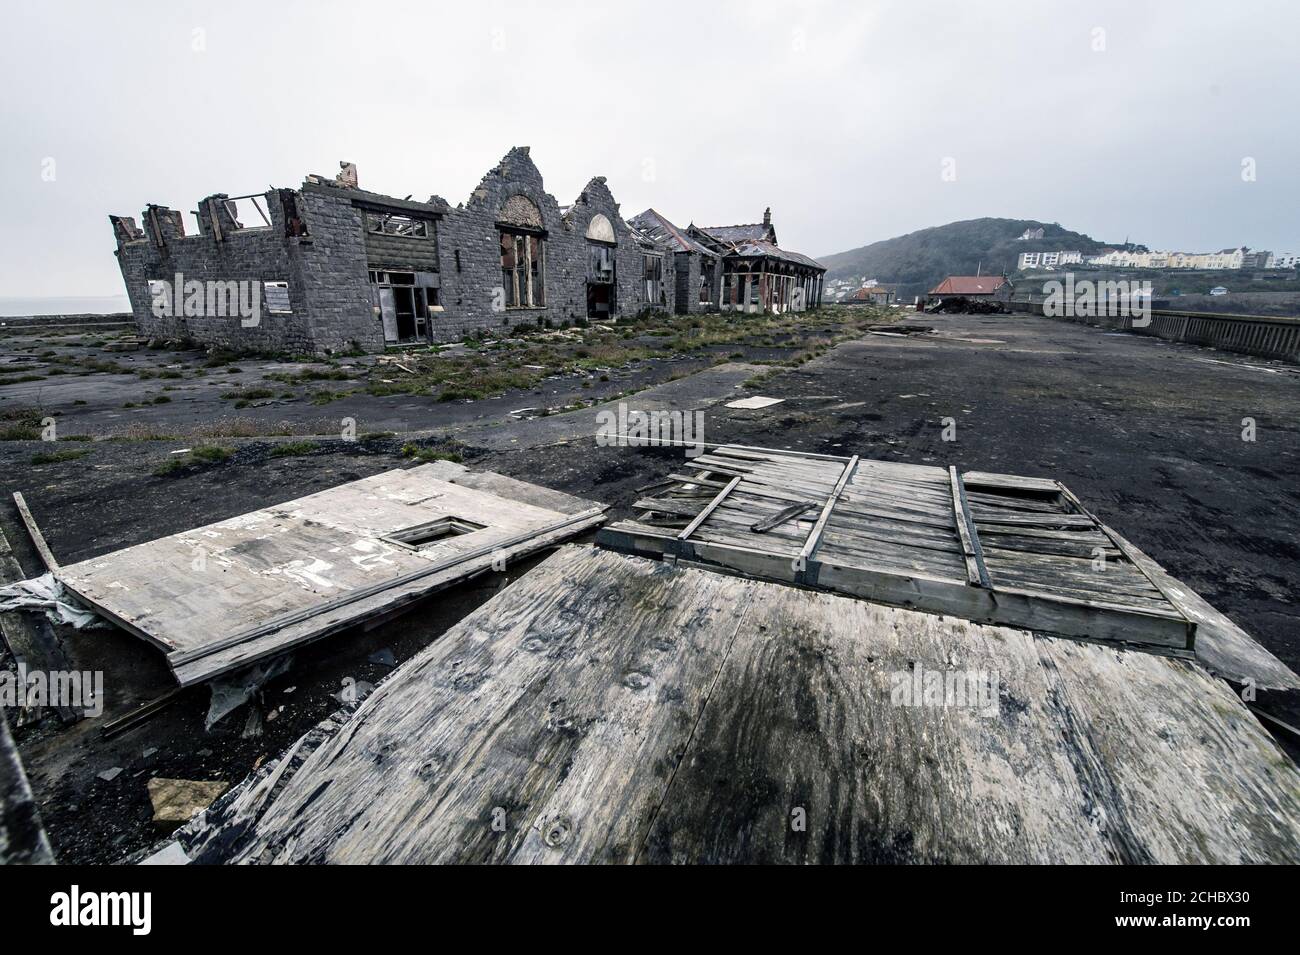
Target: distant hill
[(919, 261)]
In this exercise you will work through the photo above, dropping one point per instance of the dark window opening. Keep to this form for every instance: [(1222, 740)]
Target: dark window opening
[(601, 264), (406, 303), (653, 278), (523, 273)]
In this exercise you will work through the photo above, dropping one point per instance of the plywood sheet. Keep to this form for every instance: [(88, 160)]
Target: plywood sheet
[(223, 595), (606, 708)]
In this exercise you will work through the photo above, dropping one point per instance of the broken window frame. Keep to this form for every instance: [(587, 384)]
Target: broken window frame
[(258, 201), (523, 280), (600, 263), (390, 224), (652, 279), (706, 283), (270, 309)]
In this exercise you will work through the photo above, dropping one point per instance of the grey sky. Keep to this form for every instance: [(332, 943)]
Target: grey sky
[(837, 115)]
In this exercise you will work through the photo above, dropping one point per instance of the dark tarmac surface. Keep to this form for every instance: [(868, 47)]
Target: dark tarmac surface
[(1148, 434)]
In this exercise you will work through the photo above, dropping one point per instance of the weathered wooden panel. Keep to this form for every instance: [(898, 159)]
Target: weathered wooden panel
[(1027, 553), (1092, 754), (223, 595), (22, 837), (607, 708), (556, 710)]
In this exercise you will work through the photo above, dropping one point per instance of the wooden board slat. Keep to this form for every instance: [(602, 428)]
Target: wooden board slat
[(38, 539)]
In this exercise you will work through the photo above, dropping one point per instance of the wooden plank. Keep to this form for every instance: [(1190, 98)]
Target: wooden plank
[(1012, 482), (986, 518), (976, 573), (708, 509), (38, 539), (814, 536), (22, 836)]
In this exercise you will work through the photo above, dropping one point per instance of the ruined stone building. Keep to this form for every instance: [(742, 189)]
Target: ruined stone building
[(335, 268)]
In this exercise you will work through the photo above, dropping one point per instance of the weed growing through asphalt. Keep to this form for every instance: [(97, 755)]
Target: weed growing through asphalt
[(200, 454)]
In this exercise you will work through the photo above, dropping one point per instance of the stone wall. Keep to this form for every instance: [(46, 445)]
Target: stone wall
[(469, 242), (325, 271), (332, 272), (318, 243)]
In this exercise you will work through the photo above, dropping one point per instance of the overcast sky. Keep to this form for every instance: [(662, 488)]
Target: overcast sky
[(1115, 119)]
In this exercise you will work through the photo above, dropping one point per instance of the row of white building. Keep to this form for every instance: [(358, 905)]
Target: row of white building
[(1123, 259)]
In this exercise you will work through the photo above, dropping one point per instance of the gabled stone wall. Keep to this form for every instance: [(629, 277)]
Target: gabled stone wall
[(469, 241), (318, 243)]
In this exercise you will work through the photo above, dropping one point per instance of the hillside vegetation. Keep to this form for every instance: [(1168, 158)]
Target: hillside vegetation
[(920, 260)]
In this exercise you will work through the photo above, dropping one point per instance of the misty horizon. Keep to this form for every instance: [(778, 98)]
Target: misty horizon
[(1113, 121)]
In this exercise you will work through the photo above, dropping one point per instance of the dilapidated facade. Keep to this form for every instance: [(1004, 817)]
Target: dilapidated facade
[(757, 274), (331, 268), (697, 270)]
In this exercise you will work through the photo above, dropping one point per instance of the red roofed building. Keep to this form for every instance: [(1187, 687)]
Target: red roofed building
[(969, 286)]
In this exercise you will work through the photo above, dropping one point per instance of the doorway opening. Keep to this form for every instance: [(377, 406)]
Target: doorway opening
[(405, 302)]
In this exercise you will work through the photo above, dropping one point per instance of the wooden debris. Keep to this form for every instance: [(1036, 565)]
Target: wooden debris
[(988, 547), (42, 548), (140, 715), (223, 596), (31, 641), (22, 836), (606, 708), (1017, 553), (781, 516)]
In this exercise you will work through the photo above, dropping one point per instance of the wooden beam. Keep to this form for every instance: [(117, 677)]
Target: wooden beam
[(42, 548), (1008, 606), (976, 572), (1128, 551), (22, 837), (708, 509), (781, 516), (815, 535)]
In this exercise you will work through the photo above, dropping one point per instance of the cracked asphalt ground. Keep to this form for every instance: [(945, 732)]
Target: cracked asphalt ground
[(1149, 435)]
